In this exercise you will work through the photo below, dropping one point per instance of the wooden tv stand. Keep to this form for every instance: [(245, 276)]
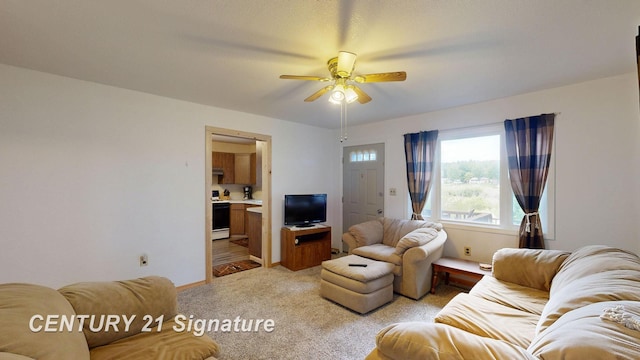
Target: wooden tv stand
[(303, 248)]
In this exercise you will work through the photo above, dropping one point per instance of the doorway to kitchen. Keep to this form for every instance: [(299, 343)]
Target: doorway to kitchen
[(239, 196)]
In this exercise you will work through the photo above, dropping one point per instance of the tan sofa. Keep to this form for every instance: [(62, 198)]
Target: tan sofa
[(410, 245), (31, 317), (539, 304)]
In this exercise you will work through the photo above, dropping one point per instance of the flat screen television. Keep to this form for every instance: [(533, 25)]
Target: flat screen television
[(305, 209), (638, 54)]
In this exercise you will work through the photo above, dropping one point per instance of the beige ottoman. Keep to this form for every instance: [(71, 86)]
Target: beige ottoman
[(361, 289)]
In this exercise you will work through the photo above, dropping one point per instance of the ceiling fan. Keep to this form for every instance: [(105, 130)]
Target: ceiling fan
[(343, 88)]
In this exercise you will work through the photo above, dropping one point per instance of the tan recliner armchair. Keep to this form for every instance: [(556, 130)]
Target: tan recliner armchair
[(411, 245)]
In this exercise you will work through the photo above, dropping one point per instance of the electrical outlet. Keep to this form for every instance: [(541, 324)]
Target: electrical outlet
[(392, 191), (144, 260), (467, 250)]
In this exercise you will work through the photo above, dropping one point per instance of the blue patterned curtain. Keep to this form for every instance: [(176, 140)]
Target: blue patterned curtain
[(529, 143), (419, 149)]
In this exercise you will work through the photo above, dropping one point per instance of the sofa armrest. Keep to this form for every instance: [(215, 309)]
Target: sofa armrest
[(350, 241), (362, 234), (24, 314), (422, 340), (532, 268), (416, 266), (418, 254)]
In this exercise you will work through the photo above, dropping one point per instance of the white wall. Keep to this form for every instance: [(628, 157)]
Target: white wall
[(597, 162), (92, 176)]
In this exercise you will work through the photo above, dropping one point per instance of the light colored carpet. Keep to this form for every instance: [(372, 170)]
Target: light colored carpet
[(306, 325)]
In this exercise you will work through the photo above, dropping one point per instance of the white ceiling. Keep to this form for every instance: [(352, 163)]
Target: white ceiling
[(229, 53)]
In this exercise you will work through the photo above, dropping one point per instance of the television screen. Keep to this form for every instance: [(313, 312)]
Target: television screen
[(638, 54), (305, 210)]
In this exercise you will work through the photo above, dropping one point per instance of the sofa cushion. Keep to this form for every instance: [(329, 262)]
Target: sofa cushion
[(488, 319), (422, 340), (367, 233), (379, 252), (18, 304), (589, 275), (170, 343), (607, 286), (144, 298), (417, 237), (583, 334), (374, 269), (512, 295), (10, 356), (590, 260), (532, 268), (396, 229)]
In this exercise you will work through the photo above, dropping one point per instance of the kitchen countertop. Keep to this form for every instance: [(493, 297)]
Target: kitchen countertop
[(251, 202), (255, 209)]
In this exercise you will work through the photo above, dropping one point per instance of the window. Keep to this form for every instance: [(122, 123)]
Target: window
[(359, 156), (470, 179), (471, 184)]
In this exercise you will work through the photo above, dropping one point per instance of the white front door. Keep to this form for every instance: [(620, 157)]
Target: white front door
[(362, 184)]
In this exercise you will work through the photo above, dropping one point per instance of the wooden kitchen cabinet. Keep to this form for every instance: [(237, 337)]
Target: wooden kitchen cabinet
[(242, 171), (238, 219), (225, 161), (238, 168), (254, 233), (245, 169)]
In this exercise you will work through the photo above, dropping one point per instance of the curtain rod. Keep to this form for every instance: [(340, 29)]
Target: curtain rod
[(481, 125)]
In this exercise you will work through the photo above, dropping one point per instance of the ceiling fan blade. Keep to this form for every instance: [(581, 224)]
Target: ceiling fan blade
[(363, 98), (346, 62), (318, 93), (302, 77), (382, 77)]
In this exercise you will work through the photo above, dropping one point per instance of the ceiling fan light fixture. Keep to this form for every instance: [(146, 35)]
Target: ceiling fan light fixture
[(346, 63), (350, 95), (344, 90), (337, 95), (339, 92)]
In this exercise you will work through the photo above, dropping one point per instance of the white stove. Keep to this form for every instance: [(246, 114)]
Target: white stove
[(220, 234)]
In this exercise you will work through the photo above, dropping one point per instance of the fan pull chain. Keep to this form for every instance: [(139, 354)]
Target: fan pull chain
[(343, 121)]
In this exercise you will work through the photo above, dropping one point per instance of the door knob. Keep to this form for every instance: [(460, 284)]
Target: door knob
[(379, 211)]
